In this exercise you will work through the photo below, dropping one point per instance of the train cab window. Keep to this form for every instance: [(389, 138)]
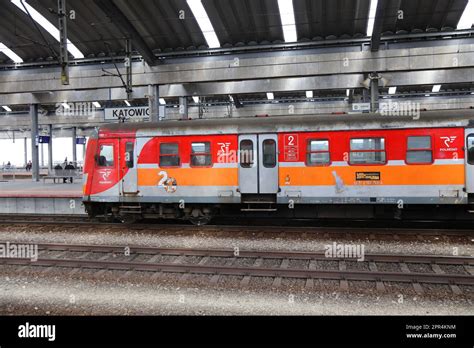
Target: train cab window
[(106, 156), (169, 155), (317, 152), (367, 151), (201, 154), (419, 150), (246, 153), (470, 149), (269, 153), (129, 154)]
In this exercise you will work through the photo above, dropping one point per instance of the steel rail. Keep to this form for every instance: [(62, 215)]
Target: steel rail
[(459, 279)]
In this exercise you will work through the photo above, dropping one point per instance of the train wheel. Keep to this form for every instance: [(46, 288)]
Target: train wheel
[(200, 221)]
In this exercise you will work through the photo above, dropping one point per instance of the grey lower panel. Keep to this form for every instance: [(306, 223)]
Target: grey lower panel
[(372, 200), (42, 206), (286, 200), (174, 199)]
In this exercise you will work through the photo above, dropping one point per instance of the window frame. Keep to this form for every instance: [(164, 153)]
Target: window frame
[(132, 159), (275, 154), (168, 155), (469, 162), (191, 154), (419, 149), (246, 164), (368, 164), (308, 152), (113, 155)]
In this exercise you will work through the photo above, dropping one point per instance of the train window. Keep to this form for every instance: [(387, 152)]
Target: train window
[(419, 150), (201, 154), (317, 152), (269, 153), (129, 154), (246, 153), (470, 149), (169, 155), (367, 151), (106, 156)]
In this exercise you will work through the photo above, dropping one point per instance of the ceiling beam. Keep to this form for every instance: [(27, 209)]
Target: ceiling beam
[(126, 28), (378, 22)]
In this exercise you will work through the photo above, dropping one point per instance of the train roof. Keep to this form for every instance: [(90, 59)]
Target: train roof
[(320, 122)]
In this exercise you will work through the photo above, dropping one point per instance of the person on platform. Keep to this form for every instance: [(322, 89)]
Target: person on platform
[(70, 167), (29, 165)]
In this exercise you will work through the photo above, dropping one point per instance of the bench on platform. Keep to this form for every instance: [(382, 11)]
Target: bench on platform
[(62, 174)]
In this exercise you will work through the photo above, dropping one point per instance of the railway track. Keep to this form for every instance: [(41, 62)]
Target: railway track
[(204, 263), (368, 232)]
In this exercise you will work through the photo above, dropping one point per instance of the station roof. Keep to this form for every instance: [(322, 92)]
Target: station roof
[(99, 27)]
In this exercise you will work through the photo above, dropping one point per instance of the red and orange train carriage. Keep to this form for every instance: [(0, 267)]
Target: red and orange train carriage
[(299, 166)]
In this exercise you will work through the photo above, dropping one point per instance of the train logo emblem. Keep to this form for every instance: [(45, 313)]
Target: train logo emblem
[(105, 174), (448, 141)]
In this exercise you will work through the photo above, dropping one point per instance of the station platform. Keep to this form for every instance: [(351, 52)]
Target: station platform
[(29, 197)]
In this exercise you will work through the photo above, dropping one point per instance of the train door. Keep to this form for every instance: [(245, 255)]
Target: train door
[(268, 163), (128, 167), (258, 164), (248, 164), (469, 136), (107, 164)]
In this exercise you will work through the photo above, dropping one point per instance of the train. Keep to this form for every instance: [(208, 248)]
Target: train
[(311, 166)]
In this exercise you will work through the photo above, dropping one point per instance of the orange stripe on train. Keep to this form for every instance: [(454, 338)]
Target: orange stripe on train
[(190, 176), (389, 175)]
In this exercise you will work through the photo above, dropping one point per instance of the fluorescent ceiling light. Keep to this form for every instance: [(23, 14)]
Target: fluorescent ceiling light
[(10, 54), (467, 18), (96, 104), (204, 23), (66, 105), (196, 99), (427, 95), (436, 88), (372, 12), (392, 90), (162, 101), (309, 94), (47, 25), (348, 91), (7, 108), (127, 102), (287, 17), (270, 96)]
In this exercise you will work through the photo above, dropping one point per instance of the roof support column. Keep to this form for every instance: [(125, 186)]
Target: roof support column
[(374, 94), (154, 103), (50, 149), (183, 107), (74, 148), (34, 141), (26, 150), (63, 53)]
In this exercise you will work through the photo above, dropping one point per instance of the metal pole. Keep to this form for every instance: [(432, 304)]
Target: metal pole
[(42, 155), (374, 95), (183, 108), (50, 149), (154, 103), (63, 53), (26, 150), (74, 148), (34, 141)]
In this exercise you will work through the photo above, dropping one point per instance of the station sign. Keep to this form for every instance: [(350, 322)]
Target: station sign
[(361, 107), (43, 139), (128, 113), (81, 141)]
